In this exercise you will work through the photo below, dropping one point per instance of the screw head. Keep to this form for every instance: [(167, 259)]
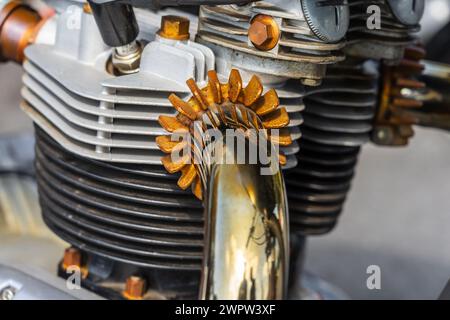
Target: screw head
[(408, 12), (135, 288), (328, 22), (174, 27), (264, 32)]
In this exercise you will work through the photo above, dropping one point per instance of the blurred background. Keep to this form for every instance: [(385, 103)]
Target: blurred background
[(397, 215)]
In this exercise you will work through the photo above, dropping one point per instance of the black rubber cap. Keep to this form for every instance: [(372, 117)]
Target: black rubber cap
[(116, 22)]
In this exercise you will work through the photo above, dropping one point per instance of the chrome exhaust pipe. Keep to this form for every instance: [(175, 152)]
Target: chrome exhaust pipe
[(247, 237), (246, 224)]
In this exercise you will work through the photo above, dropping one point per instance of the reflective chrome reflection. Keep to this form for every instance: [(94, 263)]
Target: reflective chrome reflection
[(246, 234)]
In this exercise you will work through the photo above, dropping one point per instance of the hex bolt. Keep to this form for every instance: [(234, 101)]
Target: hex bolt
[(72, 257), (264, 32), (260, 33), (87, 8), (135, 288), (175, 28)]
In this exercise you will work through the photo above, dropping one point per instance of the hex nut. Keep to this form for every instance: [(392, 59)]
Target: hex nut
[(72, 257), (135, 288), (128, 63), (174, 27)]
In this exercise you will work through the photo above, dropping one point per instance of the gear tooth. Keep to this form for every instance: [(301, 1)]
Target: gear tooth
[(197, 93), (171, 124), (276, 120), (267, 103), (166, 144), (182, 107), (244, 115), (225, 105), (283, 138), (225, 88), (188, 175), (235, 85), (253, 91), (197, 188), (215, 87), (173, 167)]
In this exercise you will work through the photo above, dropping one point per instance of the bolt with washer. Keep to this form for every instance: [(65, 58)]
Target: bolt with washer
[(264, 32)]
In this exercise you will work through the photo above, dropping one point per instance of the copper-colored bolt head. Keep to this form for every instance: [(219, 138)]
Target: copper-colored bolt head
[(72, 257), (87, 8), (264, 32), (174, 27), (19, 25), (135, 288), (260, 33)]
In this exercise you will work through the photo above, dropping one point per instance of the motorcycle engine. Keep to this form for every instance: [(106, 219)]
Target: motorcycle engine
[(99, 77)]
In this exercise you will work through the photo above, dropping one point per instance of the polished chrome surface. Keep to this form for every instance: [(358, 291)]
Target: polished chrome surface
[(247, 244)]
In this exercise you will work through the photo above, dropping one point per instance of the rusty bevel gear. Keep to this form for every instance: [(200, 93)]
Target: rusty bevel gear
[(393, 123), (220, 104)]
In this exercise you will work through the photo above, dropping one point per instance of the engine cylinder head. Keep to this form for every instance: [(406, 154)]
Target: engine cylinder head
[(338, 121)]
